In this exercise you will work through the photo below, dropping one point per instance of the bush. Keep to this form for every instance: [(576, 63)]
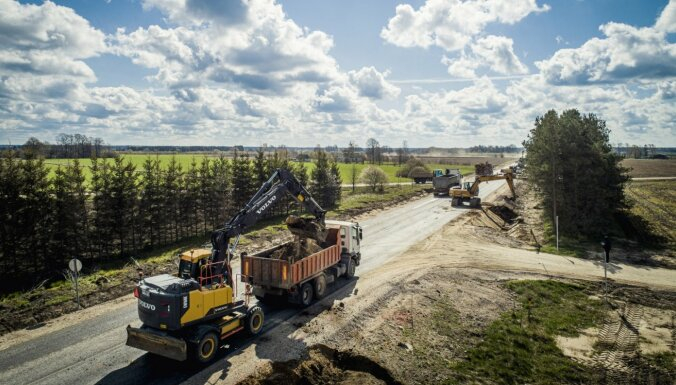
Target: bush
[(412, 163), (374, 177)]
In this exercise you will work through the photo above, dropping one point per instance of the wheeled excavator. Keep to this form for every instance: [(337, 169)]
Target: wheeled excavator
[(187, 315), (470, 191)]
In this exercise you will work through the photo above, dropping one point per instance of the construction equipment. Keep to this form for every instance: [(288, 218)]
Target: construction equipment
[(420, 175), (443, 180), (189, 314), (470, 191), (278, 278)]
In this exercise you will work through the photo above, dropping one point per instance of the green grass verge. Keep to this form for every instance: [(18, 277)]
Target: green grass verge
[(520, 347)]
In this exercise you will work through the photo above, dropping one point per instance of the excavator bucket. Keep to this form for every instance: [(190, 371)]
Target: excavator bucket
[(306, 228), (157, 342)]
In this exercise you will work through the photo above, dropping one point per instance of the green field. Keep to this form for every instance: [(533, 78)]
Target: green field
[(186, 159)]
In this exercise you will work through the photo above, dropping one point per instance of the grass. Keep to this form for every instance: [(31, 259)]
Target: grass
[(186, 159), (655, 203), (641, 168), (520, 346)]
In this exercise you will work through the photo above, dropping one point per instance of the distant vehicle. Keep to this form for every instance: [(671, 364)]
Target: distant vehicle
[(444, 180), (470, 192), (420, 175)]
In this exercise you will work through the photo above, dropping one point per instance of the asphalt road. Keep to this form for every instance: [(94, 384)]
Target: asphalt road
[(93, 351)]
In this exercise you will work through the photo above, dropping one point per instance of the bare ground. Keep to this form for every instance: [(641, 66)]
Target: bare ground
[(417, 315)]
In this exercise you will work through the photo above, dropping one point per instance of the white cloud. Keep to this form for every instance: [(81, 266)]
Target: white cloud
[(262, 50), (451, 25), (372, 84), (498, 54), (42, 48), (625, 53), (667, 20), (457, 27)]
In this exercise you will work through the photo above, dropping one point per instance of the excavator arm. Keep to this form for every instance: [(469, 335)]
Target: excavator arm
[(508, 175), (281, 182)]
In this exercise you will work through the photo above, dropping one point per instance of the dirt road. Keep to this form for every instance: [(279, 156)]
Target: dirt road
[(90, 349)]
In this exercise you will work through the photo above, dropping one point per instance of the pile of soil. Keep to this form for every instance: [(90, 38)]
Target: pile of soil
[(483, 169), (296, 250), (324, 366)]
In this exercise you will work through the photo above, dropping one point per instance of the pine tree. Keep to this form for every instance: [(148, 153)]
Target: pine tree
[(36, 215), (171, 185), (206, 192), (190, 197), (220, 204), (242, 181), (69, 226), (124, 197), (570, 159), (336, 184), (261, 167), (102, 236), (323, 182), (151, 208), (11, 182)]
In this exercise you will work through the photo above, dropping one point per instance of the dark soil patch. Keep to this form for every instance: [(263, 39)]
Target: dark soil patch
[(324, 365)]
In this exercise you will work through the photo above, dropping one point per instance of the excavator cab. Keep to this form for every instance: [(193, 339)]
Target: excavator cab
[(191, 261)]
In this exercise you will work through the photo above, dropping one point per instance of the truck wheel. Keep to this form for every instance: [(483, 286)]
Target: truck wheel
[(351, 268), (320, 286), (205, 350), (306, 294), (253, 322)]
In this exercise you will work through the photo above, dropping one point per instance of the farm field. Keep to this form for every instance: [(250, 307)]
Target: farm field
[(466, 167), (655, 201), (643, 168)]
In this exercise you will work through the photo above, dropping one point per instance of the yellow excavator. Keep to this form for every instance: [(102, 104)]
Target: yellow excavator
[(187, 315), (469, 192)]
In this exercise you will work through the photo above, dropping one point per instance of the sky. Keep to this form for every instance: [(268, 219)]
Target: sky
[(452, 73)]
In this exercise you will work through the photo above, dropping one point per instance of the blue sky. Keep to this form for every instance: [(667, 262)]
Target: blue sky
[(307, 72)]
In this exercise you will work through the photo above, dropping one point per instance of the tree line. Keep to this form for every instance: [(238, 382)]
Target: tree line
[(572, 164), (124, 209), (70, 146)]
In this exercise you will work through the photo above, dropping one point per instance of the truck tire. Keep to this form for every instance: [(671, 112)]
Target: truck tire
[(351, 268), (204, 351), (320, 286), (253, 322), (306, 294)]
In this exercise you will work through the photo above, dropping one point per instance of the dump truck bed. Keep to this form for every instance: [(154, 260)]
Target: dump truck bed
[(261, 270)]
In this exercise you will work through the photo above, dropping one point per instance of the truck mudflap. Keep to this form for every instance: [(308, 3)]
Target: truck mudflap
[(157, 342)]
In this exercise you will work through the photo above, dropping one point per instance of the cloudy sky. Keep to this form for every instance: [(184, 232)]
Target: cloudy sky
[(446, 73)]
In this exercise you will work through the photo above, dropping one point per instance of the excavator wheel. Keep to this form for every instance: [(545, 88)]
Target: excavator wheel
[(253, 322), (206, 348), (475, 202)]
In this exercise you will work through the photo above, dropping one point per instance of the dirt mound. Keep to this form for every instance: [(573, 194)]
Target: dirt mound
[(324, 366), (297, 250)]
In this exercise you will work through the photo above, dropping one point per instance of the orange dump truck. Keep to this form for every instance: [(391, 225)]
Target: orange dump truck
[(304, 280)]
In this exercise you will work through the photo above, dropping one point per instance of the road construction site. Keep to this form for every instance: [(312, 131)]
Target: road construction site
[(369, 329)]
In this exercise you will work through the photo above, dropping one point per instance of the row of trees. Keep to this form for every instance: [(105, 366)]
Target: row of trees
[(67, 146), (45, 221), (571, 162)]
